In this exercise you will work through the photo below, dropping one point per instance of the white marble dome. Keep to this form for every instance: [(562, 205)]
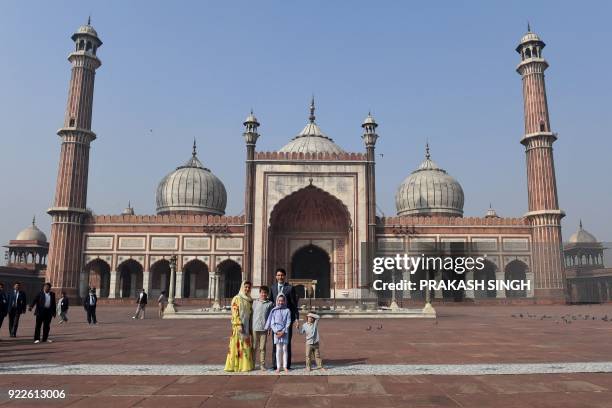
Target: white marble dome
[(582, 236), (429, 190), (32, 233), (191, 188), (311, 139)]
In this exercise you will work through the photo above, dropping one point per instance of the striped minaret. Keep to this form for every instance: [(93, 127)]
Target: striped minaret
[(70, 205), (544, 214)]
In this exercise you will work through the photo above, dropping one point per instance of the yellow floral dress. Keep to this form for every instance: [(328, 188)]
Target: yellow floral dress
[(240, 352)]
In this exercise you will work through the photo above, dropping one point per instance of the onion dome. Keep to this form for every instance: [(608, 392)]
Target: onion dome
[(429, 190), (582, 236), (32, 233), (311, 139), (191, 188)]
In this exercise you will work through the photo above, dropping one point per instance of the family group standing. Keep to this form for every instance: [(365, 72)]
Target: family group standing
[(273, 314)]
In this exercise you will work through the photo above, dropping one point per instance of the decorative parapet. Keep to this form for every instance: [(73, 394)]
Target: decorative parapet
[(319, 156), (436, 221), (206, 220)]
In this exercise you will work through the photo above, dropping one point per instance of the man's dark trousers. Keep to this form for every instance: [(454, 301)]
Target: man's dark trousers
[(14, 315), (43, 318), (91, 315)]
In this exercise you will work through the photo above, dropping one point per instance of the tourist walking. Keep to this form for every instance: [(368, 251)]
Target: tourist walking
[(62, 308), (291, 300), (141, 301), (279, 323), (240, 352), (162, 301), (46, 309), (261, 311), (90, 303), (17, 305), (3, 304)]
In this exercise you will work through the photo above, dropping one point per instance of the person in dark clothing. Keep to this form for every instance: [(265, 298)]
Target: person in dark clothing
[(282, 286), (90, 303), (62, 308), (3, 304), (141, 301), (17, 305), (46, 309)]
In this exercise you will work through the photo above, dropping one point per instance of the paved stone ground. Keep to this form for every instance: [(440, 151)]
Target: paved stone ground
[(462, 335)]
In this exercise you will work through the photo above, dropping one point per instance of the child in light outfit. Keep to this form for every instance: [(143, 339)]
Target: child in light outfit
[(311, 330), (261, 311), (278, 323)]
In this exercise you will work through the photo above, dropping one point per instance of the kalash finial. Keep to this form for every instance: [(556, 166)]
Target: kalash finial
[(33, 220), (89, 20), (528, 27), (312, 110), (427, 154), (581, 223), (194, 152)]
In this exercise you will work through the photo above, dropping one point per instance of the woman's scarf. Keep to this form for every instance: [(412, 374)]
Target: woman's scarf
[(242, 293), (245, 308)]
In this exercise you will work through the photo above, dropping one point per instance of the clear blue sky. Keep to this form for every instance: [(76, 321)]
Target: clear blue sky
[(443, 71)]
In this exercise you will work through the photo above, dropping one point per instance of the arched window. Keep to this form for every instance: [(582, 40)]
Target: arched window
[(528, 52), (88, 48)]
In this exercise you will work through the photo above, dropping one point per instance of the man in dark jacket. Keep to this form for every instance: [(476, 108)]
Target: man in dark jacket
[(282, 286), (17, 305), (141, 301), (46, 309), (3, 304), (90, 303)]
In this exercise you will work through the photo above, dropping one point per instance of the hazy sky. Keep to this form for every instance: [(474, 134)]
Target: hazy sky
[(172, 71)]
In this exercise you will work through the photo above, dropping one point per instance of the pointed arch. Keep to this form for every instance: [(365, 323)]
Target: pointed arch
[(195, 279)]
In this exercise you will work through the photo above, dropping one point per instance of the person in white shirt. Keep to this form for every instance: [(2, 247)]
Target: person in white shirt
[(162, 301), (62, 308)]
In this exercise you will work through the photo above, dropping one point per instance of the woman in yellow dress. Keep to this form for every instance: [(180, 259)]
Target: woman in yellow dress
[(240, 353)]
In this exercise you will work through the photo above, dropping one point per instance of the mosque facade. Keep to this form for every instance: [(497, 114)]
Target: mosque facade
[(310, 207)]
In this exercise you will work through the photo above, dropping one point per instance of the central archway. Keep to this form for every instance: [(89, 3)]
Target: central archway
[(310, 236), (312, 262)]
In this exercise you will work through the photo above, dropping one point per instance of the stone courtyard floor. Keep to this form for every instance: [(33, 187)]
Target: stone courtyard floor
[(471, 356)]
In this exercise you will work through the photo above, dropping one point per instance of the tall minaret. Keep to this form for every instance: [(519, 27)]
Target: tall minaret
[(544, 214), (369, 138), (70, 205), (250, 137)]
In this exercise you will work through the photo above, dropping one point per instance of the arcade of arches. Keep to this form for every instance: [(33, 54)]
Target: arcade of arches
[(192, 282), (310, 237)]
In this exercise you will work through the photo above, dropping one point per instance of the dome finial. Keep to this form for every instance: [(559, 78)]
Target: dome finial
[(581, 223), (311, 118), (194, 152), (89, 20), (33, 220), (528, 27), (427, 154)]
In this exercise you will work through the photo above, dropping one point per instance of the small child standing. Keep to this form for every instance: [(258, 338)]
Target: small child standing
[(261, 311), (278, 323), (311, 330)]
